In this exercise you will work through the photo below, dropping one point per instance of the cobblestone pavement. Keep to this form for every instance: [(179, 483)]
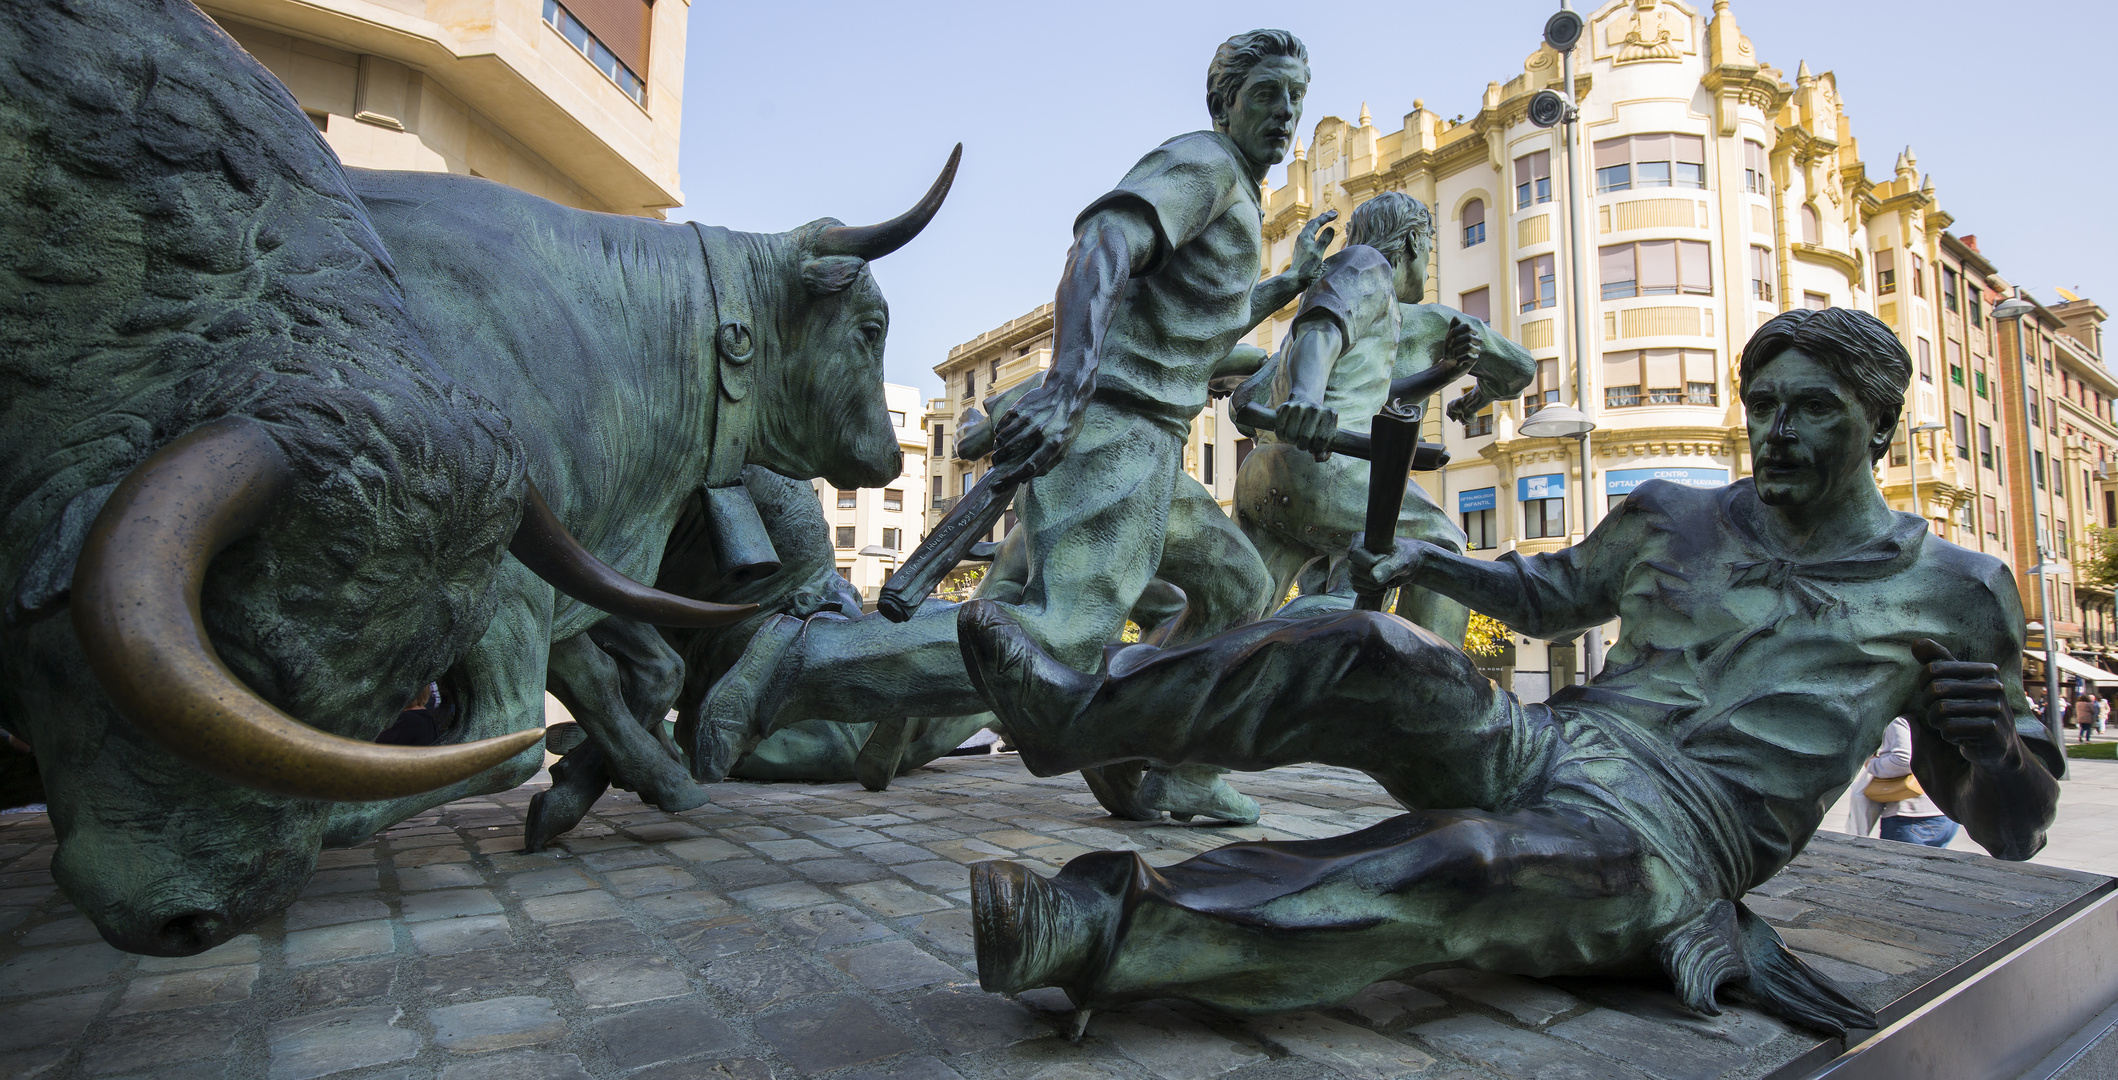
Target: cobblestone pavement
[(804, 930)]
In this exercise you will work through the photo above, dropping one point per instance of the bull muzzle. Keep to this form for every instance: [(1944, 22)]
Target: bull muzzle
[(136, 613)]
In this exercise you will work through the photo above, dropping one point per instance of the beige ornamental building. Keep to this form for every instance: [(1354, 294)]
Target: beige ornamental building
[(579, 101), (1719, 193), (873, 529)]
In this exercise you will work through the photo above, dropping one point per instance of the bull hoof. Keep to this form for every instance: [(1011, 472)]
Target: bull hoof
[(738, 710), (1117, 788), (1190, 791), (578, 780)]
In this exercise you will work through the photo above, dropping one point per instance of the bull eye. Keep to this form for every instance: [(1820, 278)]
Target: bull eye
[(872, 331)]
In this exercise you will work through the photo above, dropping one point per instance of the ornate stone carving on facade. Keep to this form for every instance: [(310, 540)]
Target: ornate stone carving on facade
[(1649, 30)]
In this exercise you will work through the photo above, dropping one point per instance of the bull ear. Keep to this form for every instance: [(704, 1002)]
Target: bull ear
[(876, 241), (832, 273)]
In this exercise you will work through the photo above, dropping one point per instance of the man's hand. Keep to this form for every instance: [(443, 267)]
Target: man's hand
[(1965, 703), (1309, 248), (1035, 433), (1460, 351), (1378, 573), (1307, 426)]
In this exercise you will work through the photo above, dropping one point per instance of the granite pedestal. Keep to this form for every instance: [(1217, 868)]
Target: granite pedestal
[(791, 930)]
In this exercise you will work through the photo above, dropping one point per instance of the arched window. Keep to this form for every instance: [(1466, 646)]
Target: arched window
[(1812, 226), (1474, 222)]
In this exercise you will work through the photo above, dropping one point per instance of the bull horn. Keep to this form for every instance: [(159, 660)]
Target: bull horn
[(876, 241), (553, 554), (136, 595)]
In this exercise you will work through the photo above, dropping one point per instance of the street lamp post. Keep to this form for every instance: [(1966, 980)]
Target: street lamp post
[(2013, 309), (1548, 109)]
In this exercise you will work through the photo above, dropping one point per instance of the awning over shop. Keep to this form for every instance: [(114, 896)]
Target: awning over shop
[(2071, 666)]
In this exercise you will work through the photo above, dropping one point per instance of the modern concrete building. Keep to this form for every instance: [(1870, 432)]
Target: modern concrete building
[(579, 101), (872, 529)]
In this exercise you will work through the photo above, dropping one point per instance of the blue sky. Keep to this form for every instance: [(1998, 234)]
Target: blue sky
[(803, 110)]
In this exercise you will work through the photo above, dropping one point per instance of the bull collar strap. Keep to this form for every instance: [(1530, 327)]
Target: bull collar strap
[(732, 353)]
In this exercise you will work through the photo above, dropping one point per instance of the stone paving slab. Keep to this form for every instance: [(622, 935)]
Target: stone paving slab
[(793, 930)]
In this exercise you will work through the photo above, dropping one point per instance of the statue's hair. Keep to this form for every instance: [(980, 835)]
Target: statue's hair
[(1236, 56), (1853, 345), (1391, 220)]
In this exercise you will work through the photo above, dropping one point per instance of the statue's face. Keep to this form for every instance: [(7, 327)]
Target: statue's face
[(1264, 113), (1411, 280), (1810, 436)]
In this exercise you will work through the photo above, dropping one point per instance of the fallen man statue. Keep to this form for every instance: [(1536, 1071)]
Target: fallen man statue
[(1771, 630)]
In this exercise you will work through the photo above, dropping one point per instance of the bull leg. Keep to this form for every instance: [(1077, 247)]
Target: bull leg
[(879, 756), (578, 780), (590, 683)]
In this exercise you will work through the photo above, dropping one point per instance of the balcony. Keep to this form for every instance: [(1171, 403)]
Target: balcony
[(942, 505)]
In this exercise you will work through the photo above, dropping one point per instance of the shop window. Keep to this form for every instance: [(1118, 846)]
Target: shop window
[(1543, 518), (1479, 527)]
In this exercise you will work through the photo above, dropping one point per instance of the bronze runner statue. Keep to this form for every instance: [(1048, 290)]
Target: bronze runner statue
[(1770, 630)]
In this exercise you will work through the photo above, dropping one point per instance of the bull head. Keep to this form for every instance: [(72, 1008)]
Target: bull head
[(827, 416), (136, 595)]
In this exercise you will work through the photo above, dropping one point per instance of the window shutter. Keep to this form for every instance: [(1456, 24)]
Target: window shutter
[(1474, 212), (1616, 263), (1611, 152), (1664, 369), (621, 25), (1658, 267), (1622, 368), (1478, 303), (1651, 148), (1690, 149), (1699, 366), (1694, 274)]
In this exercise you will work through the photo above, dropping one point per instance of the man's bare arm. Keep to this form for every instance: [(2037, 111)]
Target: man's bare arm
[(1275, 292), (1503, 370), (1303, 420), (1554, 595), (1110, 247)]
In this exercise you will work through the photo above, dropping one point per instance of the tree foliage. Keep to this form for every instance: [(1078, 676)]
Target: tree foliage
[(1486, 636)]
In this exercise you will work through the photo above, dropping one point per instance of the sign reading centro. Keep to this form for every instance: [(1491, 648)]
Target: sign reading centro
[(1623, 481)]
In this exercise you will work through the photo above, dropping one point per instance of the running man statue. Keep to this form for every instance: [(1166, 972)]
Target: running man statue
[(1771, 630), (1162, 280), (1359, 327)]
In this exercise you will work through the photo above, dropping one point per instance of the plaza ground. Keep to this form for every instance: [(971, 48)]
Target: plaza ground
[(792, 930)]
